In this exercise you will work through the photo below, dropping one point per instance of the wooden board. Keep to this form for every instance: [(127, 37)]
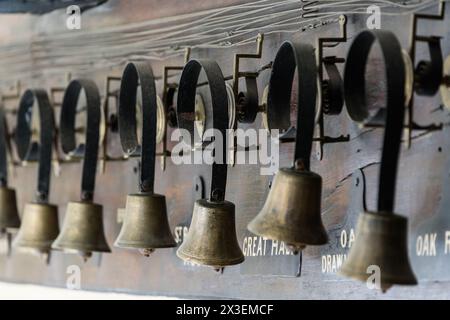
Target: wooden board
[(419, 186)]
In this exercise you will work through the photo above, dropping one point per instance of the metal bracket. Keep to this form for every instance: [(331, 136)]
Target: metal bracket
[(246, 102), (111, 123), (168, 92), (434, 45), (244, 106), (9, 139), (332, 92), (53, 91)]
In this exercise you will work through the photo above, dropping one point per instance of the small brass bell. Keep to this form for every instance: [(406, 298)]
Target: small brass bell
[(381, 241), (82, 230), (211, 239), (40, 219), (380, 247), (9, 216), (39, 227), (291, 212), (145, 226)]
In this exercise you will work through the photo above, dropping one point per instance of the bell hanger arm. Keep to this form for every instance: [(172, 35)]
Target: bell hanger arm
[(355, 89), (3, 150), (293, 57), (135, 74), (47, 131), (68, 130), (218, 109)]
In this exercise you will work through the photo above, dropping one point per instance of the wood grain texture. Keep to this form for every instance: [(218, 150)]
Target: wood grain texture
[(418, 189)]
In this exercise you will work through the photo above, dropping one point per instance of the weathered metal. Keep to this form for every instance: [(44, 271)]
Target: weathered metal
[(212, 238), (40, 219), (292, 211), (145, 226), (82, 230), (381, 237)]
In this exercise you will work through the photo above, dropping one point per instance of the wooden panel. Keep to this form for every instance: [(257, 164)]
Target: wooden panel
[(418, 190)]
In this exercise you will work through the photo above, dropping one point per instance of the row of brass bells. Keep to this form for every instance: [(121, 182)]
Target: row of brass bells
[(39, 228), (82, 231), (381, 241), (9, 215), (211, 239), (145, 226), (292, 211)]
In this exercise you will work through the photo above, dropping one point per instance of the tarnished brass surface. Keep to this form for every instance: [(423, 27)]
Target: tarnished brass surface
[(145, 224), (291, 212), (9, 216), (381, 241), (39, 227), (82, 230), (212, 239)]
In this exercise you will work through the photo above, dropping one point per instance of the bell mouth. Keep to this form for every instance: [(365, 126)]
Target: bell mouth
[(70, 249), (275, 233), (35, 251), (140, 247), (146, 194), (85, 255), (216, 264)]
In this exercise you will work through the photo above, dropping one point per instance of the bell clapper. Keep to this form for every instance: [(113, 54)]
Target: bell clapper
[(146, 252), (219, 269), (85, 255), (445, 85), (296, 248)]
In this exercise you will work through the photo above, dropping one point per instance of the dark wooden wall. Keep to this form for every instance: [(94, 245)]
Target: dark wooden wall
[(419, 188)]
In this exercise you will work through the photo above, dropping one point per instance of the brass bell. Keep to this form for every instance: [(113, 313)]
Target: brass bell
[(82, 230), (145, 226), (381, 241), (39, 227), (9, 216), (380, 251), (212, 239), (292, 212)]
